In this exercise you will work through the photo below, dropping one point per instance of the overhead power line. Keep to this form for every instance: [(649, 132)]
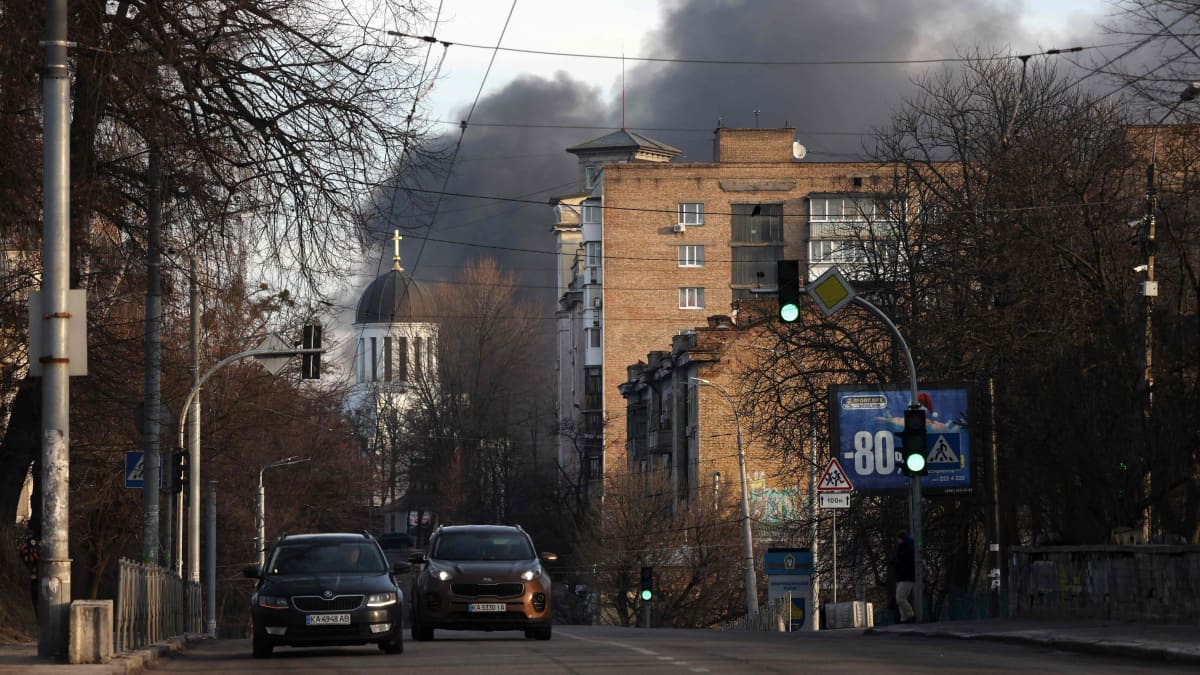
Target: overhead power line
[(754, 62)]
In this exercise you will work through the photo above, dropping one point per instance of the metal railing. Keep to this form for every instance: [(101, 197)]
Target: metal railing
[(154, 604), (773, 617)]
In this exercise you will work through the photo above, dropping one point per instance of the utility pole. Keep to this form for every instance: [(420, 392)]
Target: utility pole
[(153, 375), (54, 568)]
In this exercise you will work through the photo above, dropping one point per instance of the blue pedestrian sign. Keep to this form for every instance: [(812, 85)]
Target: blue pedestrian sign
[(134, 468)]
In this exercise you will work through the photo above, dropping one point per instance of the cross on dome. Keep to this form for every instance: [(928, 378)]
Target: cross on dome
[(396, 251)]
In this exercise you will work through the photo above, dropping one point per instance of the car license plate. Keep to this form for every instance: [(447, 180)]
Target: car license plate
[(486, 607), (327, 619)]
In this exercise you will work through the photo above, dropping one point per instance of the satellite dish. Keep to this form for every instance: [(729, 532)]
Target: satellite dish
[(798, 151)]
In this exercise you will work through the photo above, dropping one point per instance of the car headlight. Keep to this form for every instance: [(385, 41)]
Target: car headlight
[(442, 575), (381, 599), (530, 575), (272, 602)]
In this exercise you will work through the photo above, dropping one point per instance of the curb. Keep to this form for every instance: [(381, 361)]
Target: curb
[(1122, 648), (134, 662)]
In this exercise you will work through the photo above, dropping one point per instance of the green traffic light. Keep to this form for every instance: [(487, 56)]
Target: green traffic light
[(915, 462), (646, 594), (789, 312)]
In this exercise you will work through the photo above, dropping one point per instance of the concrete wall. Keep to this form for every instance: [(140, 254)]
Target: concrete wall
[(1134, 583)]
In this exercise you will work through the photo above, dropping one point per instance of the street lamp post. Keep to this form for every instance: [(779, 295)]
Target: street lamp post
[(260, 540), (748, 542)]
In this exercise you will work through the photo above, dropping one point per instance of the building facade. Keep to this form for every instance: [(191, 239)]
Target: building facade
[(659, 246)]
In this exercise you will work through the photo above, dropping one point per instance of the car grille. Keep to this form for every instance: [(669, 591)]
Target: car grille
[(490, 590), (315, 603)]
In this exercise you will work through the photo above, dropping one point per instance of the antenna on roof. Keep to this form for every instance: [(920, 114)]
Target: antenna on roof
[(622, 85)]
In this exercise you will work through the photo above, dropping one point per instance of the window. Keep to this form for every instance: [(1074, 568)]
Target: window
[(846, 207), (362, 360), (387, 358), (417, 365), (691, 213), (754, 265), (593, 337), (820, 251), (594, 253), (591, 213), (590, 174), (594, 472), (402, 359), (757, 223), (691, 255), (374, 360), (691, 297)]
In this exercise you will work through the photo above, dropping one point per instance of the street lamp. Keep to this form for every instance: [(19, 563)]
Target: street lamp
[(261, 521), (748, 542)]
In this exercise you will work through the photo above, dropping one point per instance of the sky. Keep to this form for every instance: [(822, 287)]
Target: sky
[(571, 100)]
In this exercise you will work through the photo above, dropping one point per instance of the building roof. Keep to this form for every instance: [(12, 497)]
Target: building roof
[(624, 139), (393, 297)]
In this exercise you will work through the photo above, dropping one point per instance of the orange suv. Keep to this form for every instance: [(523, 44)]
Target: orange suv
[(481, 577)]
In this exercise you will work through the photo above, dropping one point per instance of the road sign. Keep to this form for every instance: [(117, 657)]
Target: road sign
[(834, 479), (273, 364), (835, 500), (134, 468)]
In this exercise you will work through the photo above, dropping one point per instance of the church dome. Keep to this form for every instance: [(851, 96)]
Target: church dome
[(394, 296)]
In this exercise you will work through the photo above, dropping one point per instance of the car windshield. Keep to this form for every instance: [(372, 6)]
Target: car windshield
[(326, 558), (482, 546)]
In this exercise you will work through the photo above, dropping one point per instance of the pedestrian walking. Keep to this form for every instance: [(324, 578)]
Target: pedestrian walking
[(904, 569)]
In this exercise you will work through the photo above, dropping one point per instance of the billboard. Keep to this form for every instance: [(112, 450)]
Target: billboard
[(865, 422)]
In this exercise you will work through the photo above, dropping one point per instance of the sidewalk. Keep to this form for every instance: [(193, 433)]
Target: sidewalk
[(23, 658), (1174, 643)]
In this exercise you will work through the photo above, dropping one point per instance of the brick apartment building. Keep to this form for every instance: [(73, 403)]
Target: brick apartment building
[(650, 249)]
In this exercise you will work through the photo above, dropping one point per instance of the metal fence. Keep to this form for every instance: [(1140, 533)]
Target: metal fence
[(773, 617), (154, 604)]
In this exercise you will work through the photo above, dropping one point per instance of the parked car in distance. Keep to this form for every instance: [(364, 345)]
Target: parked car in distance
[(326, 589), (481, 577)]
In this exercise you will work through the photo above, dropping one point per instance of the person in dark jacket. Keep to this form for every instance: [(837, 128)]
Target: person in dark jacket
[(904, 569)]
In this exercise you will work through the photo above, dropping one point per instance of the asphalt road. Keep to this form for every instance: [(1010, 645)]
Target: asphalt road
[(596, 649)]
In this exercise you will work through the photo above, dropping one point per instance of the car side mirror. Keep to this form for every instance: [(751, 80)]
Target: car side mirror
[(401, 567), (417, 558), (549, 557), (252, 571)]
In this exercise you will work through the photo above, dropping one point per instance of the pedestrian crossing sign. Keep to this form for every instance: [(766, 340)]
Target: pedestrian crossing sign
[(944, 452)]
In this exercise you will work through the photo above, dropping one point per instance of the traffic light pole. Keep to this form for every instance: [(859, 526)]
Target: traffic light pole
[(914, 513)]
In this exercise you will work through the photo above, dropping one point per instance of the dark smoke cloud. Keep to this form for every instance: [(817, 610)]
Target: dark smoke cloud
[(845, 98)]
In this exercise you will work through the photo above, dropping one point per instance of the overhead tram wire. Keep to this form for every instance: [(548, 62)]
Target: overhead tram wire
[(755, 62)]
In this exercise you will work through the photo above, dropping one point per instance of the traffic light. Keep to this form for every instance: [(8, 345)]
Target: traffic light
[(178, 471), (914, 463), (310, 364), (647, 583), (788, 276)]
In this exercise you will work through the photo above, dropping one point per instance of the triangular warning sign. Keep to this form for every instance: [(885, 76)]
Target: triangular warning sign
[(942, 453), (834, 479)]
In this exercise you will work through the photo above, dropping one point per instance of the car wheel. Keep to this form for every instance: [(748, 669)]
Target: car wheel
[(261, 648), (392, 646)]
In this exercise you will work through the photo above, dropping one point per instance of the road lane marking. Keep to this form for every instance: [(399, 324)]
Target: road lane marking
[(640, 650)]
